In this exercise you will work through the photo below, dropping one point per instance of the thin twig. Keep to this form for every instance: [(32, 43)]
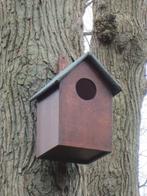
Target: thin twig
[(144, 184), (87, 33), (88, 3)]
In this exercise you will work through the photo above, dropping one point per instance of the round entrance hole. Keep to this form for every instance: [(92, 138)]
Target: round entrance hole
[(86, 89)]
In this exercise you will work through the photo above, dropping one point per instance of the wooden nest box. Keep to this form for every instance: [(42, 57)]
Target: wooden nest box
[(74, 113)]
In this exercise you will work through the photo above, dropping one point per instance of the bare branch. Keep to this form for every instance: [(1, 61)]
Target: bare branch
[(88, 3), (144, 184), (87, 33)]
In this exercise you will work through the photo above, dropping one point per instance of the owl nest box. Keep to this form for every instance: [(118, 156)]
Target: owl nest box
[(74, 113)]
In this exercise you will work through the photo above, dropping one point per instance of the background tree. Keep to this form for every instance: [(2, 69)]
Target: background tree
[(33, 33), (118, 40)]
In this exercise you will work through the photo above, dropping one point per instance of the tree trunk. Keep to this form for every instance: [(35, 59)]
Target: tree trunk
[(118, 42), (33, 35)]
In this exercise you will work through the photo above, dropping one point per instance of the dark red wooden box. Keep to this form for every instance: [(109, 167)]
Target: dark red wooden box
[(74, 113)]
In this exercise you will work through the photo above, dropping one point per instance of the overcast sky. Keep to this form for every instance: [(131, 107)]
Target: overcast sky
[(143, 148)]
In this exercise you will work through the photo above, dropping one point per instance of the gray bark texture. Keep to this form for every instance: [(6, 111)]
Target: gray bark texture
[(33, 34), (118, 41)]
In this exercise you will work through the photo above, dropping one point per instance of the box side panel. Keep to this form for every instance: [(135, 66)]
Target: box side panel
[(85, 123), (47, 123)]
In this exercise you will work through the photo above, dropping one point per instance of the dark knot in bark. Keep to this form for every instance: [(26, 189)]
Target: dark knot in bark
[(106, 28)]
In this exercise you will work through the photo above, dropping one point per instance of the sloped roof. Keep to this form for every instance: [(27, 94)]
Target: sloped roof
[(113, 85)]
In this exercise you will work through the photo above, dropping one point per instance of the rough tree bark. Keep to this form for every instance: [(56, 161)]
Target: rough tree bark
[(118, 41), (33, 33)]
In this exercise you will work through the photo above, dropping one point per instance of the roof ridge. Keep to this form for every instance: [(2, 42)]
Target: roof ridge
[(114, 86)]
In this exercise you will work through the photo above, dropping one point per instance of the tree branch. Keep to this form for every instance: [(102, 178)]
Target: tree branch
[(144, 184), (88, 3), (87, 33)]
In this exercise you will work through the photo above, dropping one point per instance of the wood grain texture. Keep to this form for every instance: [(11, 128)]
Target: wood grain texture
[(85, 123), (118, 41), (47, 124), (71, 128), (32, 35)]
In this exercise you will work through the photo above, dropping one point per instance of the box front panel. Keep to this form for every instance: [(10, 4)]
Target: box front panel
[(85, 110)]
